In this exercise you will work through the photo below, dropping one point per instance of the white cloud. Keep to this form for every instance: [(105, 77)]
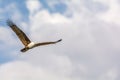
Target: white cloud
[(110, 75), (44, 17), (73, 6), (10, 12), (33, 6), (7, 39), (21, 71), (112, 14), (58, 64), (87, 41), (89, 49)]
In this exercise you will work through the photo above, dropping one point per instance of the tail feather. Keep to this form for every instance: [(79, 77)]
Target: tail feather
[(24, 49)]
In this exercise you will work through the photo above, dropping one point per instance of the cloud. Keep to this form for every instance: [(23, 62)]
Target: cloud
[(33, 6), (112, 13), (87, 40), (110, 75), (23, 70), (10, 12), (7, 36), (89, 50)]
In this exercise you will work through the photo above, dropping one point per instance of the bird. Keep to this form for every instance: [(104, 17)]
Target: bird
[(28, 44)]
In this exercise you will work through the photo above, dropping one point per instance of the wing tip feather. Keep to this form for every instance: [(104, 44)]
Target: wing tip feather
[(10, 23)]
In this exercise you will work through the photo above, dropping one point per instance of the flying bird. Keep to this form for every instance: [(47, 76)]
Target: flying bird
[(25, 40)]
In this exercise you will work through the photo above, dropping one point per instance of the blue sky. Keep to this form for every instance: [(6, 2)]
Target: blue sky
[(60, 7), (90, 49)]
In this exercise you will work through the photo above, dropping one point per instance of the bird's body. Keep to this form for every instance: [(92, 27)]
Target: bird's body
[(25, 40), (31, 45)]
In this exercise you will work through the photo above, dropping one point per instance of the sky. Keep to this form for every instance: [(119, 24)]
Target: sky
[(90, 49)]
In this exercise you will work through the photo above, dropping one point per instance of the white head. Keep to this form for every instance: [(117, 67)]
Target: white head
[(31, 45)]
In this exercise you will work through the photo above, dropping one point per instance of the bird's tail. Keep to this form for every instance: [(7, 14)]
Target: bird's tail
[(24, 49)]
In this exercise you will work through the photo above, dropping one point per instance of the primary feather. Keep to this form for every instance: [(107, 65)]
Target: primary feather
[(21, 35)]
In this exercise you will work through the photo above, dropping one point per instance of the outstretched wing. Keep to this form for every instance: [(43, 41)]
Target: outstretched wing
[(47, 43), (21, 35)]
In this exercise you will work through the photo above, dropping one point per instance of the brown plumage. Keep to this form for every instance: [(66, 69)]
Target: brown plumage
[(25, 40)]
